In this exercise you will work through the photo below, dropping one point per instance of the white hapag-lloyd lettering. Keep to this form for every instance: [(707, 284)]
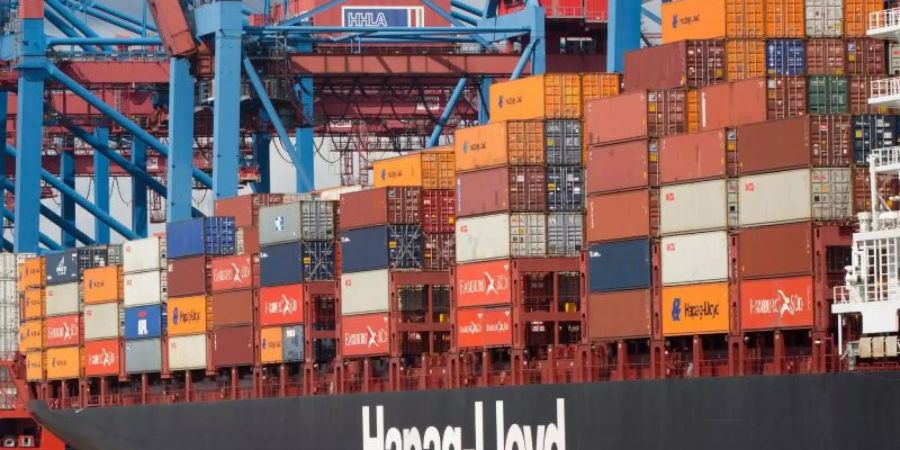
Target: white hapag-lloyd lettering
[(517, 437)]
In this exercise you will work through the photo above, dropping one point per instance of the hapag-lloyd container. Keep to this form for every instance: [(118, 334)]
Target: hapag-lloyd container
[(317, 259), (695, 309), (856, 15), (695, 207), (745, 59), (821, 140), (209, 236), (365, 335), (438, 210), (62, 267), (797, 195), (280, 305), (872, 132), (281, 264), (102, 358), (618, 266), (785, 57), (711, 19), (394, 205), (187, 352), (565, 234), (143, 356), (643, 114), (511, 188), (230, 273), (621, 167), (187, 315), (785, 18), (34, 300), (187, 277), (694, 258), (565, 188), (145, 288), (828, 95), (691, 64), (563, 139), (439, 251), (233, 307), (365, 292), (552, 96), (826, 57), (777, 303), (232, 346), (430, 169), (619, 315), (102, 321), (824, 18), (731, 104), (382, 247), (786, 97), (144, 254), (497, 144), (635, 213), (775, 251), (866, 56), (694, 157), (62, 299), (143, 322)]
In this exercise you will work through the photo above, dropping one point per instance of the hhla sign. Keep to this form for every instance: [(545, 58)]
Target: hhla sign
[(551, 436)]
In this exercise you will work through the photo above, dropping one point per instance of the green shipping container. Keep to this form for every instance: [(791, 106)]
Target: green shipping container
[(828, 95)]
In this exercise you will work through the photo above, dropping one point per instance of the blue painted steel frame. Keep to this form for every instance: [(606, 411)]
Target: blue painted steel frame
[(139, 189), (624, 33), (101, 185)]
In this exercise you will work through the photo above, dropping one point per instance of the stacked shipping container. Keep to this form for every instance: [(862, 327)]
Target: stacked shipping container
[(145, 267)]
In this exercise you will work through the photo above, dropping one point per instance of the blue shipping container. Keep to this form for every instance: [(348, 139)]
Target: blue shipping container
[(785, 57), (318, 261), (872, 131), (292, 343), (62, 267), (279, 264), (209, 235), (622, 265), (143, 322), (382, 247)]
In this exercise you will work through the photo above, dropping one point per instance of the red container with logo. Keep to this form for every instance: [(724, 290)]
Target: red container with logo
[(621, 167), (439, 211), (102, 358), (777, 303), (281, 305), (62, 331), (483, 327), (232, 307), (232, 273), (187, 277), (365, 335), (232, 346), (483, 284)]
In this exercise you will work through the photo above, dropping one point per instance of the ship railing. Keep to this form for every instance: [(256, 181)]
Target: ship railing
[(884, 91), (842, 294), (884, 21), (887, 158)]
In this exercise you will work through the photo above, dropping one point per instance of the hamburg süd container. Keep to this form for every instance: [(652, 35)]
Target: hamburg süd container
[(622, 215), (230, 273), (619, 315), (628, 117), (103, 284), (824, 18), (187, 276), (691, 64), (382, 247), (551, 96), (563, 139), (694, 258), (144, 322), (517, 142), (232, 346), (695, 309), (365, 292), (731, 104), (786, 97), (696, 207), (856, 15), (826, 57), (873, 131), (786, 57), (565, 188), (102, 321), (777, 303), (271, 346), (866, 56), (565, 234), (186, 315), (201, 236), (439, 251), (62, 299), (145, 288), (245, 208), (776, 251), (318, 260), (233, 307), (510, 188), (62, 363), (785, 18), (365, 335), (292, 341), (483, 284), (438, 210), (143, 356), (187, 352), (745, 59), (280, 305), (694, 157), (712, 19), (622, 167), (796, 195), (144, 254), (281, 264), (383, 206), (93, 256), (102, 358), (484, 327), (828, 95), (802, 142), (62, 331), (618, 266), (430, 169), (62, 267)]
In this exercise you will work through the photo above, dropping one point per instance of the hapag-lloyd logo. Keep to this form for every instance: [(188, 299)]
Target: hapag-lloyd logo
[(781, 304), (520, 437), (369, 338)]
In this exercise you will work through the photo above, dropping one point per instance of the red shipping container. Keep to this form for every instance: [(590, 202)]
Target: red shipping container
[(439, 211), (888, 186), (694, 156), (232, 272), (777, 303), (732, 104), (483, 284), (866, 56), (281, 305), (62, 331), (515, 189), (481, 327), (632, 116), (245, 208), (232, 308), (440, 251), (613, 217), (618, 315), (786, 97), (392, 205), (248, 240), (860, 90), (821, 141), (232, 346), (620, 167), (187, 277), (365, 335), (776, 250), (691, 64), (831, 140), (102, 358), (825, 57)]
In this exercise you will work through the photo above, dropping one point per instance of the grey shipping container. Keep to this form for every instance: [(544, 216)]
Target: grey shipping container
[(99, 256), (528, 235), (617, 266), (292, 343), (381, 247), (565, 233), (143, 356), (279, 264), (62, 267), (563, 141), (565, 188), (307, 220), (317, 220), (439, 252), (318, 261)]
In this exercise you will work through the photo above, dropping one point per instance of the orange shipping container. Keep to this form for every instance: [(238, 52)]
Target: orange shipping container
[(102, 358), (777, 303), (556, 96), (31, 273), (785, 18), (63, 363), (270, 344), (856, 15), (62, 331), (34, 303), (186, 315), (600, 85), (483, 284), (498, 144), (102, 284), (430, 169), (34, 366), (482, 327), (31, 335), (746, 59), (695, 309), (712, 19)]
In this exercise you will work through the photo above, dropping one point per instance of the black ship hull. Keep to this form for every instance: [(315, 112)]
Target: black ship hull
[(816, 412)]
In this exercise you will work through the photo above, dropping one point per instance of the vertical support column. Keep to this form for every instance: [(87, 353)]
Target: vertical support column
[(538, 36), (624, 32), (181, 141), (484, 100), (261, 143), (29, 125), (305, 143), (101, 186), (4, 116), (67, 176), (139, 189), (227, 91)]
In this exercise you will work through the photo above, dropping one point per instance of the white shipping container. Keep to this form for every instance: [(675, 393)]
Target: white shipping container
[(9, 317), (144, 254), (187, 352), (824, 18), (694, 258), (63, 299), (145, 288), (9, 264), (832, 193), (365, 292), (102, 321), (528, 235), (695, 207), (482, 238), (775, 197)]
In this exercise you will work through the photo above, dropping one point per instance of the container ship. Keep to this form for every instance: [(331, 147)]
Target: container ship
[(698, 253)]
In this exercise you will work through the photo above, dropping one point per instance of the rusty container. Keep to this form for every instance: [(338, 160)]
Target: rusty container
[(860, 91), (776, 250), (622, 215), (439, 210), (691, 64), (439, 251), (628, 117), (866, 56), (826, 57), (620, 167), (888, 186), (245, 208), (515, 189), (391, 206), (694, 157), (187, 277), (731, 104), (619, 315), (786, 97), (819, 141)]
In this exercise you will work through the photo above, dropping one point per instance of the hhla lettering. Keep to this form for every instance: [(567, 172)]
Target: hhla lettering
[(519, 437)]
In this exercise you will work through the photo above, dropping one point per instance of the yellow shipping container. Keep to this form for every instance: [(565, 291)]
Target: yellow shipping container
[(600, 85), (31, 273), (63, 363), (186, 315), (746, 59), (498, 144), (271, 345), (785, 18), (695, 309), (856, 15), (102, 285), (430, 169), (552, 96), (34, 366), (712, 19), (31, 335), (34, 303)]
